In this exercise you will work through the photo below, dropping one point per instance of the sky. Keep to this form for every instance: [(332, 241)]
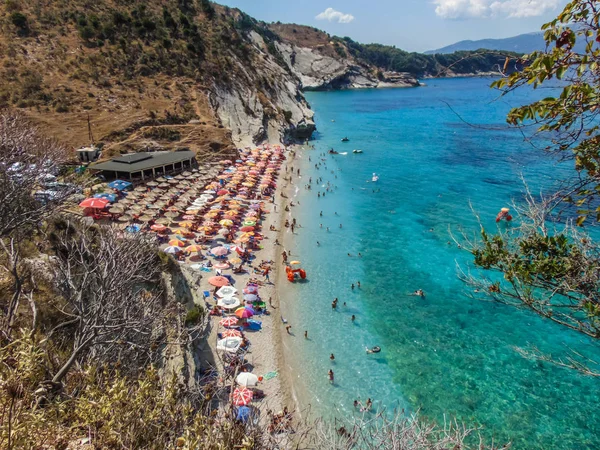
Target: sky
[(413, 25)]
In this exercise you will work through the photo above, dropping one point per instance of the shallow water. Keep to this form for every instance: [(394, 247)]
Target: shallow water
[(445, 354)]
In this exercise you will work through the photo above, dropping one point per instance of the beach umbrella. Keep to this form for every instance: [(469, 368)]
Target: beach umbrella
[(229, 321), (293, 263), (250, 297), (119, 185), (251, 289), (243, 313), (226, 291), (218, 281), (172, 214), (193, 248), (241, 396), (230, 345), (186, 224), (173, 181), (161, 179), (226, 222), (98, 203), (235, 261), (152, 184), (221, 265), (219, 251), (125, 218), (116, 210), (172, 250), (158, 227), (176, 243), (249, 223), (163, 221), (246, 378), (163, 185), (110, 197), (229, 302)]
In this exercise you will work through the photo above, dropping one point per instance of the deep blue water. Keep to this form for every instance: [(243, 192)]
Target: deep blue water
[(447, 353)]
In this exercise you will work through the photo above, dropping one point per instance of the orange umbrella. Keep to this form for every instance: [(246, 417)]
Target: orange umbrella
[(231, 333), (94, 203), (193, 248), (218, 281), (176, 243), (186, 224)]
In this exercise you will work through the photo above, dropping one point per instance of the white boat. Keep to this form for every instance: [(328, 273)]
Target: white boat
[(357, 151), (375, 177)]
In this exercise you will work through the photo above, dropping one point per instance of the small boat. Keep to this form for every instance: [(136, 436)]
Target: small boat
[(375, 349), (357, 151), (375, 177), (345, 139), (332, 152)]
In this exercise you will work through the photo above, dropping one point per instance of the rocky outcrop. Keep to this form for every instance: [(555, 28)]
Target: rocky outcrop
[(318, 71), (264, 102)]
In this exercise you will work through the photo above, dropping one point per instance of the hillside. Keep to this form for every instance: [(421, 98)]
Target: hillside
[(162, 74), (522, 43)]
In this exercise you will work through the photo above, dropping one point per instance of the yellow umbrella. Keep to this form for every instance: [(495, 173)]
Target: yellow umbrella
[(193, 248), (295, 262), (186, 224), (176, 243), (226, 222)]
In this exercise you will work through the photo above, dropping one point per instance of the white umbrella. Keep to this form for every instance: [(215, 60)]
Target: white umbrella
[(231, 344), (227, 291), (247, 379), (229, 302), (172, 250)]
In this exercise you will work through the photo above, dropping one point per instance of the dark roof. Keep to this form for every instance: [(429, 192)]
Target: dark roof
[(142, 161)]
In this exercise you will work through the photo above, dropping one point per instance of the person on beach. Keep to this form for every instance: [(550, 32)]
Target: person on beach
[(340, 225), (288, 328), (271, 302), (419, 293), (331, 377), (356, 404), (352, 287), (353, 318), (305, 334), (266, 273), (331, 357), (321, 214), (359, 255), (284, 256), (318, 244), (358, 284)]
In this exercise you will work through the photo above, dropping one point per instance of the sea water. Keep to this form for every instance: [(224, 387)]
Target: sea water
[(443, 153)]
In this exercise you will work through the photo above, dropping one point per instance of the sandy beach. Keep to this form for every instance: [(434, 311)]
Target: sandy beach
[(267, 349)]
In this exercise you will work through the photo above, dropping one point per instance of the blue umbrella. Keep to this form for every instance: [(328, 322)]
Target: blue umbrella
[(243, 414), (110, 197), (134, 228), (119, 185)]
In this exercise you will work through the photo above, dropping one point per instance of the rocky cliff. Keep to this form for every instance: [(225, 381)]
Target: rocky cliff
[(323, 64)]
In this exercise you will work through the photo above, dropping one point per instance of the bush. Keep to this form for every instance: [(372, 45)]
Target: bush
[(20, 21), (193, 316)]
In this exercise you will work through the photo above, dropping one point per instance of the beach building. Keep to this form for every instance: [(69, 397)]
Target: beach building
[(145, 165)]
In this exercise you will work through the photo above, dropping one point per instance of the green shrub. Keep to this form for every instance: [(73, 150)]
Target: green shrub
[(20, 21), (194, 316)]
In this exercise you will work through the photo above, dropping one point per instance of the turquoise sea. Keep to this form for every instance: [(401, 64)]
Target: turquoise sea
[(447, 353)]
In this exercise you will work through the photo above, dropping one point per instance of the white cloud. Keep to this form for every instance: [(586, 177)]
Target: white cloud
[(514, 9), (332, 15)]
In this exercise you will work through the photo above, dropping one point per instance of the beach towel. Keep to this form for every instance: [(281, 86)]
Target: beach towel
[(269, 375)]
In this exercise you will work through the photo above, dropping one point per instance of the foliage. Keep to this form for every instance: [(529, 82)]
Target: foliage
[(194, 315), (570, 119), (391, 58)]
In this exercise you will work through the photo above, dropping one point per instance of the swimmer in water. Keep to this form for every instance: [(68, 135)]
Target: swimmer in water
[(419, 293)]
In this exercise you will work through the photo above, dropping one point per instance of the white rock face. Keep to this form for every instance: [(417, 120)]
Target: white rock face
[(266, 105), (321, 72)]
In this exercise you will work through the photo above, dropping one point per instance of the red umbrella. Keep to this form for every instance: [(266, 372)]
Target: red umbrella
[(243, 313), (218, 281), (247, 229), (241, 396), (229, 321), (222, 192), (158, 227), (231, 333), (99, 203)]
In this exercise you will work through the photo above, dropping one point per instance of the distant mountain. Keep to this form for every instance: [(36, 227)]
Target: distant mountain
[(523, 43)]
